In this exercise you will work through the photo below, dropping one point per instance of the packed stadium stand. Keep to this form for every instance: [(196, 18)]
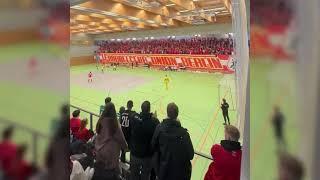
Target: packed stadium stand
[(194, 45)]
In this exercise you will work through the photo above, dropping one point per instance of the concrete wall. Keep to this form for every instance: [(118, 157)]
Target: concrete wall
[(78, 50)]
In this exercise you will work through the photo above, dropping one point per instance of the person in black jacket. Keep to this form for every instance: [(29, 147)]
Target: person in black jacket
[(125, 119), (174, 146), (278, 121), (225, 112), (143, 126)]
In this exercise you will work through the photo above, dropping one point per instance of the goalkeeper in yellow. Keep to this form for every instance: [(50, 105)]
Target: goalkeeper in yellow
[(166, 81)]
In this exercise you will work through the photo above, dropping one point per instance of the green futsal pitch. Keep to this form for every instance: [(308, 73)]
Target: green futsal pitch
[(31, 102), (198, 96), (271, 83)]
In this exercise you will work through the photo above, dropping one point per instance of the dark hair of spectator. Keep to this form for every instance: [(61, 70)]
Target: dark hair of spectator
[(7, 133), (172, 111), (107, 100), (129, 104), (64, 111), (84, 123), (110, 115), (122, 109), (224, 100), (76, 113), (145, 107), (292, 165), (22, 148)]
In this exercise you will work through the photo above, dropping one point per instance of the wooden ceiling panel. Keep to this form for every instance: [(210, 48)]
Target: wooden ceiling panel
[(103, 16)]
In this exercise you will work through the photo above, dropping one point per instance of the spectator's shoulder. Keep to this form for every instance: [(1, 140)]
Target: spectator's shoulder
[(215, 148), (155, 120)]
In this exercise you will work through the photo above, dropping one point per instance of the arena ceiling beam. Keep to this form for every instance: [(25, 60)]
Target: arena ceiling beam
[(161, 9), (118, 10), (127, 15)]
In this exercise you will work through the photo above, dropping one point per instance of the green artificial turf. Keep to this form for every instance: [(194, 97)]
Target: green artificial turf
[(196, 94), (28, 105)]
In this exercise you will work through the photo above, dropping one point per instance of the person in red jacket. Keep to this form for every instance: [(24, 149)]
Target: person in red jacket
[(75, 122), (84, 134), (226, 156), (19, 169), (8, 149)]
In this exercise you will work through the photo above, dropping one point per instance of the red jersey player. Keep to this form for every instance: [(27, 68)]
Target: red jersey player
[(32, 65), (90, 76)]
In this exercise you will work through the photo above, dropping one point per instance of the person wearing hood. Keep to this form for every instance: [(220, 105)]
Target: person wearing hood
[(226, 156), (143, 126)]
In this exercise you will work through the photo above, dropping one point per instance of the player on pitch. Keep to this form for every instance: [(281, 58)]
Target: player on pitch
[(166, 81), (32, 66), (225, 111), (90, 76)]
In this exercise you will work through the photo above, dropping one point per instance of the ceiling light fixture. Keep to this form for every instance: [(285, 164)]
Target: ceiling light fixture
[(150, 21), (168, 5)]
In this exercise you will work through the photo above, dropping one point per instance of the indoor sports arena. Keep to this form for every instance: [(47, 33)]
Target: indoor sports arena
[(192, 53), (159, 90)]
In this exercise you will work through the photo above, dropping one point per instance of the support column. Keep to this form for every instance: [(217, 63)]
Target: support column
[(308, 76), (240, 28)]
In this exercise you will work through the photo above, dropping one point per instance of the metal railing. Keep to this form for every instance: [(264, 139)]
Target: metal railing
[(35, 136), (96, 115)]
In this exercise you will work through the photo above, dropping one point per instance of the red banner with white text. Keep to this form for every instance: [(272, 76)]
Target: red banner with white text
[(223, 63)]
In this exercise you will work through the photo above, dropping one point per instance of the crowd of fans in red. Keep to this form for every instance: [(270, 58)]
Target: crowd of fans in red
[(196, 45), (271, 13), (12, 162)]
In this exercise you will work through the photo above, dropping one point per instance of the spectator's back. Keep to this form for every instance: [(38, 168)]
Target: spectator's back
[(143, 127), (174, 146)]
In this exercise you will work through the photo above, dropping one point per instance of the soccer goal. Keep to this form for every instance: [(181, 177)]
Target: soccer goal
[(227, 90)]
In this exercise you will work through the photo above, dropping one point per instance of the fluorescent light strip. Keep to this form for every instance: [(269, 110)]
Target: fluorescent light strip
[(168, 5), (133, 18), (150, 21)]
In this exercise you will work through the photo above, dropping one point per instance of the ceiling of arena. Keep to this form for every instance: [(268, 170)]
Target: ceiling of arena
[(103, 16)]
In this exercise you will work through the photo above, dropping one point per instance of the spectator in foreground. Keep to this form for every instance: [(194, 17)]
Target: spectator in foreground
[(8, 150), (64, 114), (290, 168), (174, 146), (58, 154), (109, 141), (75, 122), (125, 119), (121, 110), (84, 134), (20, 169), (143, 126), (227, 157)]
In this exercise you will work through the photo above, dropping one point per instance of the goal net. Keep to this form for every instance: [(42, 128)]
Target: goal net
[(227, 90)]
